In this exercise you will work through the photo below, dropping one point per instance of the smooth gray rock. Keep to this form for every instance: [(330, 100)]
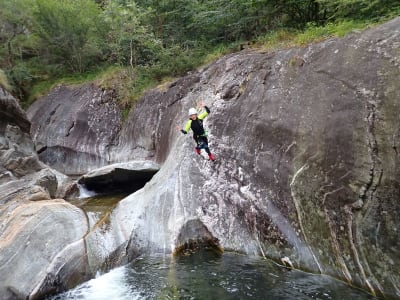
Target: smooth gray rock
[(297, 144), (73, 127), (20, 168), (41, 240), (22, 189), (41, 249)]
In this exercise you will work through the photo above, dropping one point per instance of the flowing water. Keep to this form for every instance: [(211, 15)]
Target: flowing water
[(208, 275)]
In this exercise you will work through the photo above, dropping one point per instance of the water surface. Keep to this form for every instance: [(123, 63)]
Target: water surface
[(208, 275)]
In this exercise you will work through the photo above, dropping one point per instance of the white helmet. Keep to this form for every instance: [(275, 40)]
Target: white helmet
[(192, 111)]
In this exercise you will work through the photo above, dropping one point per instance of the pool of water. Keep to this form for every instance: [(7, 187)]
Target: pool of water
[(209, 275)]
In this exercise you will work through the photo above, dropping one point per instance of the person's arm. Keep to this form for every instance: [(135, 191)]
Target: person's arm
[(204, 114), (187, 127)]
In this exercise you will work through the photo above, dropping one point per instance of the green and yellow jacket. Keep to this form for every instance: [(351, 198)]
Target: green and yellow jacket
[(197, 125)]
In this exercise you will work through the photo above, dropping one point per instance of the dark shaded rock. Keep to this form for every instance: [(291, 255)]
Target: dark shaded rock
[(11, 113), (17, 153), (193, 236), (71, 191), (128, 177)]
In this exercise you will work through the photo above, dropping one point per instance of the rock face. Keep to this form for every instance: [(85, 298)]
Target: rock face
[(18, 157), (307, 160), (41, 249), (307, 165), (129, 176), (73, 128), (21, 172), (41, 240)]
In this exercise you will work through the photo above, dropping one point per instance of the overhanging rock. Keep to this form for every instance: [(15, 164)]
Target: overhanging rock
[(127, 177)]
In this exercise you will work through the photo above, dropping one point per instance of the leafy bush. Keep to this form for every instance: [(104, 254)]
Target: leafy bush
[(175, 61)]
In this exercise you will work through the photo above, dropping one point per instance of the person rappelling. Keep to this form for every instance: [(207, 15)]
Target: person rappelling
[(199, 134)]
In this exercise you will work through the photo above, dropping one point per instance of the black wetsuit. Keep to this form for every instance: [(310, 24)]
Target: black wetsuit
[(199, 133)]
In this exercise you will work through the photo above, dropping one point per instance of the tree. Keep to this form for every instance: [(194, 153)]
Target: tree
[(15, 29), (71, 32), (130, 41), (17, 44), (361, 9)]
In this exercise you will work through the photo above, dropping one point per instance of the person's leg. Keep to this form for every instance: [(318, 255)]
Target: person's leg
[(202, 143), (197, 148), (205, 145), (206, 148)]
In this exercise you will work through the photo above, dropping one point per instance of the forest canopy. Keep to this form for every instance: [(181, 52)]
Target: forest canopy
[(45, 39)]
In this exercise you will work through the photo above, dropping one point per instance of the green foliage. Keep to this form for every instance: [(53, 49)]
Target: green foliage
[(298, 13), (139, 43), (70, 32), (21, 77), (312, 33), (142, 81), (15, 26), (129, 84), (42, 87), (130, 41), (315, 33), (276, 39), (341, 28), (175, 61), (169, 19), (361, 9)]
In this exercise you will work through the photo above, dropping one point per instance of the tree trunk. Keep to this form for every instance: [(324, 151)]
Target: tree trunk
[(10, 59), (131, 61)]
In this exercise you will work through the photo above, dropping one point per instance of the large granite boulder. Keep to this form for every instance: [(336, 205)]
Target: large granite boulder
[(74, 127), (20, 167), (41, 249), (125, 177), (17, 155), (41, 240), (79, 128), (307, 165)]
